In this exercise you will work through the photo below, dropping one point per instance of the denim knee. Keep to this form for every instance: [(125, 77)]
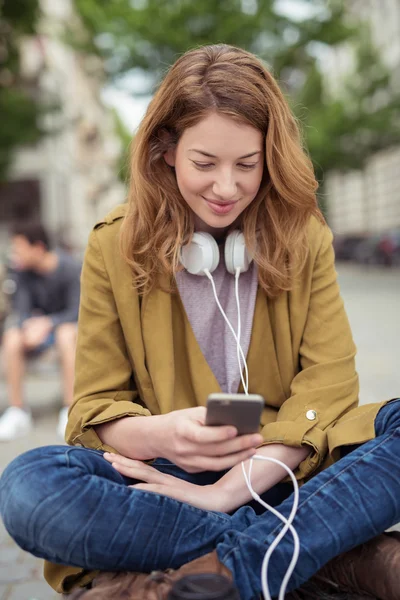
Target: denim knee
[(388, 417), (25, 484), (15, 489), (33, 487)]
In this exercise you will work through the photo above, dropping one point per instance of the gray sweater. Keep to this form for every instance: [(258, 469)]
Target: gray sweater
[(209, 327)]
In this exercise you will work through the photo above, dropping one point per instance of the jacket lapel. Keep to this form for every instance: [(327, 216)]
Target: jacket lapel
[(156, 319), (203, 380), (264, 376), (179, 373)]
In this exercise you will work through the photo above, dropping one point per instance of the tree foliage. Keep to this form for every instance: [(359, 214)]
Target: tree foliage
[(18, 107), (340, 131)]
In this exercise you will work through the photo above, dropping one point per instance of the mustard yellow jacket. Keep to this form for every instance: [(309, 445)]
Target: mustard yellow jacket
[(139, 356)]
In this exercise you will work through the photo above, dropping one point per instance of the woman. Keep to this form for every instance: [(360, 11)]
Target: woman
[(217, 151)]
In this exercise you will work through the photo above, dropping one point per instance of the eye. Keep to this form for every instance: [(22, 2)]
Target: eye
[(244, 166), (203, 165), (247, 166)]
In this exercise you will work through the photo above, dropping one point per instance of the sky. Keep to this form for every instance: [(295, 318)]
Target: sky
[(131, 109)]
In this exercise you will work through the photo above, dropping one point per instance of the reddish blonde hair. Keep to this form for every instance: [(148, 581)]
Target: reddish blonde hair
[(232, 82)]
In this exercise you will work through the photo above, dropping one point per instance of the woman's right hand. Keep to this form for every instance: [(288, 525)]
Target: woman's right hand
[(183, 438)]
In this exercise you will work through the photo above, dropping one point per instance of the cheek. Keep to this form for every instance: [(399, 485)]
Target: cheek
[(191, 181), (253, 183)]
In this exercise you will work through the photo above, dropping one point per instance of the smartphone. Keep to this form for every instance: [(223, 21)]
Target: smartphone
[(240, 410)]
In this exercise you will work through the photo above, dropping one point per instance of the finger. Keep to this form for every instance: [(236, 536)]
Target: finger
[(139, 473), (136, 469), (203, 434), (111, 457), (137, 466), (124, 460)]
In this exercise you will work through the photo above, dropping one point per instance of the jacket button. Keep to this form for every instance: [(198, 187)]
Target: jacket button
[(311, 415)]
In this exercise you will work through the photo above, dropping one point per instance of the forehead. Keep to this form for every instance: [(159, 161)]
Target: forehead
[(222, 136)]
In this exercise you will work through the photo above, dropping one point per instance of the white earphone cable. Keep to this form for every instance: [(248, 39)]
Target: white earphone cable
[(287, 522), (288, 526), (239, 332), (210, 277)]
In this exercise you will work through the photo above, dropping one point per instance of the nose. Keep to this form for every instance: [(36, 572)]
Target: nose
[(225, 187)]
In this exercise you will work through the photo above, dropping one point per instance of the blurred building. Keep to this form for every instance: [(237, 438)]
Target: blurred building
[(71, 177), (368, 201)]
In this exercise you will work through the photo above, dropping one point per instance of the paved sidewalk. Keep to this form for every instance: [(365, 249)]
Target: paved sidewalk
[(371, 299), (21, 574)]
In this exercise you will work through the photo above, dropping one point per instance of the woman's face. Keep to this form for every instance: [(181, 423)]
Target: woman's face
[(219, 166)]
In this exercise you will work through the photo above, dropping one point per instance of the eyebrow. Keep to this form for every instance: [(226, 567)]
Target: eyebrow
[(213, 155)]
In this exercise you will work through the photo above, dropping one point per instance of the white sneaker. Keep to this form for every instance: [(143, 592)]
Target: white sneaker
[(62, 422), (14, 423)]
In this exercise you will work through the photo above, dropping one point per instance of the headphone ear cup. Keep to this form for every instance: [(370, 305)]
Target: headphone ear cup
[(236, 253), (200, 254)]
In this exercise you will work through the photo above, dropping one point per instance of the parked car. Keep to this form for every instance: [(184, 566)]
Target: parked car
[(389, 248), (372, 249), (367, 252), (346, 246)]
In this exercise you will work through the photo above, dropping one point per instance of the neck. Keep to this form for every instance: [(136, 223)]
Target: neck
[(217, 233)]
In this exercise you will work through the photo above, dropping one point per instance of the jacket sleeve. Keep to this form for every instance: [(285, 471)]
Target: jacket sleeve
[(326, 386), (104, 382)]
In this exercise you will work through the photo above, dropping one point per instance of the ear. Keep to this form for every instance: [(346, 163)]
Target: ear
[(169, 156), (169, 143)]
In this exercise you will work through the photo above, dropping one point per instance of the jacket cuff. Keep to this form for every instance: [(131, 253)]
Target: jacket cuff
[(295, 434), (88, 438)]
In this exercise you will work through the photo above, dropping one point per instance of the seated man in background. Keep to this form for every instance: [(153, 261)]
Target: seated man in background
[(4, 308), (44, 312)]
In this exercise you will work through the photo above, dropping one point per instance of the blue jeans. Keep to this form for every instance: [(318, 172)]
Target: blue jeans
[(70, 506)]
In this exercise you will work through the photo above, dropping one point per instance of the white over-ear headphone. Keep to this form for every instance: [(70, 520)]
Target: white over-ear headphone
[(202, 253)]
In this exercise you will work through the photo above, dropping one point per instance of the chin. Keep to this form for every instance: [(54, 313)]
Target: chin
[(219, 223)]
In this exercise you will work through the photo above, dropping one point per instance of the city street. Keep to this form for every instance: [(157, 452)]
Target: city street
[(372, 300)]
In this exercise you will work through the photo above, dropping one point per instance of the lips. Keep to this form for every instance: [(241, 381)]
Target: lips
[(220, 208), (218, 202)]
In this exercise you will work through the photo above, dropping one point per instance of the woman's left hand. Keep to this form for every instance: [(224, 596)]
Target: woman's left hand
[(206, 497)]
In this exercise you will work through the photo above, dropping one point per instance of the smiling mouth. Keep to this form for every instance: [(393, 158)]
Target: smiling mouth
[(218, 202)]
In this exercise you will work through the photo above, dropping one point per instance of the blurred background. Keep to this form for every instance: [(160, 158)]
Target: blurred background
[(76, 76), (75, 80)]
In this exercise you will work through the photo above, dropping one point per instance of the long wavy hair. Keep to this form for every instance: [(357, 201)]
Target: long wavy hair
[(158, 221)]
